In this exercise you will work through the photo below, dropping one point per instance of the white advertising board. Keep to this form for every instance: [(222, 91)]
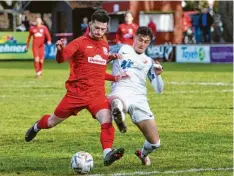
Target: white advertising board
[(193, 54)]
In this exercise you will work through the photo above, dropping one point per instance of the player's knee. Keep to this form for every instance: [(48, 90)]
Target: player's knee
[(53, 122), (37, 59), (42, 61), (103, 116)]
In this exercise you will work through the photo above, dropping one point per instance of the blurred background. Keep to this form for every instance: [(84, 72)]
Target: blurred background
[(179, 24)]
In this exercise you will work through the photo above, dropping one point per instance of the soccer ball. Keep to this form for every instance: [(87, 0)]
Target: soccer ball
[(82, 162)]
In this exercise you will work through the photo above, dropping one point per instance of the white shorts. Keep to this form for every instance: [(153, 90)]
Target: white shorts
[(137, 106)]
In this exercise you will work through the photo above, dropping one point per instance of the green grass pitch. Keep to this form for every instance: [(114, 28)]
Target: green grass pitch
[(194, 117)]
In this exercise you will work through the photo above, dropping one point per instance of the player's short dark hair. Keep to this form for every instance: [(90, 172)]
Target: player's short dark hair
[(144, 31), (101, 16)]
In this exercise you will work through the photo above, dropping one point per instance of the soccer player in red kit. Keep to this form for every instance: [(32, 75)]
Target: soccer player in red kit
[(127, 30), (85, 86), (39, 33)]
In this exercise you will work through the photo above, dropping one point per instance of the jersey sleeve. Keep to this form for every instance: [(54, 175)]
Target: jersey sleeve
[(48, 37), (68, 51), (109, 77), (155, 80)]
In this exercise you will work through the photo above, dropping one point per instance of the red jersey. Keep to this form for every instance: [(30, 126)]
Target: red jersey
[(39, 33), (125, 33), (88, 62), (153, 27)]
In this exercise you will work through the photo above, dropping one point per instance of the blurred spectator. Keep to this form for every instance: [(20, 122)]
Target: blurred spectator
[(21, 28), (153, 27), (196, 18), (39, 33), (127, 30), (4, 22), (217, 29), (84, 25), (206, 22), (26, 23)]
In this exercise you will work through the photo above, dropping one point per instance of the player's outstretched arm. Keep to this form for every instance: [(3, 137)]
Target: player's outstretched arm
[(155, 78), (61, 56), (28, 40), (113, 54), (64, 53), (116, 78), (48, 37)]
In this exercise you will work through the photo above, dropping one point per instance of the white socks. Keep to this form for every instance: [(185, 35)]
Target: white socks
[(35, 127), (105, 151), (39, 73), (117, 103), (149, 148)]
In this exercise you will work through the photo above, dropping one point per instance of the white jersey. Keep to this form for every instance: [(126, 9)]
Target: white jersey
[(137, 66)]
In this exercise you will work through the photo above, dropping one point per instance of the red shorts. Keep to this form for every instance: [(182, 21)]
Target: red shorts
[(71, 106), (38, 51)]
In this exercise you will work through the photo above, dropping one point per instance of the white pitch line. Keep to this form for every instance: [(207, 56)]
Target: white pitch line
[(167, 172), (201, 83), (34, 85), (196, 91)]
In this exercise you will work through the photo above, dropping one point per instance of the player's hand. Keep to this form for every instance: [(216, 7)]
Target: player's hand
[(113, 56), (60, 44), (49, 42), (158, 69), (124, 75)]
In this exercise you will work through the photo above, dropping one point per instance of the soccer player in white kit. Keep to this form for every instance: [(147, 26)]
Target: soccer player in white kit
[(129, 95)]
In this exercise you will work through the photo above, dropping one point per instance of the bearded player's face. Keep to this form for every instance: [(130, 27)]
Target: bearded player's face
[(97, 29)]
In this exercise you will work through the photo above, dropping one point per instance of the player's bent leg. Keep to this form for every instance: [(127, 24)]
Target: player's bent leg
[(152, 142), (37, 66), (118, 114), (41, 64), (46, 122), (107, 137)]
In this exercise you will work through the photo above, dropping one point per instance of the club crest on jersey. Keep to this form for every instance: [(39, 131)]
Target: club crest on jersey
[(105, 51), (41, 30), (97, 60)]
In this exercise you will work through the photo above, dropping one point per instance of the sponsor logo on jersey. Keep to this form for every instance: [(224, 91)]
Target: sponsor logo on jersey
[(130, 31), (97, 60), (89, 46), (38, 34)]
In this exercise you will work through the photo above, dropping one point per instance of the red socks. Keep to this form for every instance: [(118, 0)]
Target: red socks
[(37, 66), (41, 64), (107, 135), (43, 122)]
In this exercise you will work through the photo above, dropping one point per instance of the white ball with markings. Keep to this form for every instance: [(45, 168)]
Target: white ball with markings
[(82, 162)]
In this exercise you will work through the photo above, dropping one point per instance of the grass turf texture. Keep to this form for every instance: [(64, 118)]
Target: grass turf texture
[(194, 121)]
